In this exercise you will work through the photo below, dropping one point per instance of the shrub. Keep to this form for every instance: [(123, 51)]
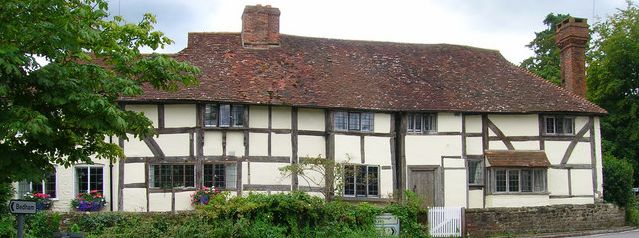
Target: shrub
[(618, 181)]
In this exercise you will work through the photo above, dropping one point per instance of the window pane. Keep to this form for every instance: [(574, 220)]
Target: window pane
[(418, 122), (367, 121), (568, 126), (178, 176), (208, 175), (23, 187), (539, 180), (559, 125), (220, 176), (360, 181), (353, 121), (550, 125), (340, 121), (430, 122), (513, 180), (238, 115), (349, 180), (154, 176), (96, 180), (373, 181), (475, 172), (165, 176), (411, 122), (83, 179), (500, 180), (231, 176), (225, 115), (189, 175), (210, 115), (49, 185), (526, 181)]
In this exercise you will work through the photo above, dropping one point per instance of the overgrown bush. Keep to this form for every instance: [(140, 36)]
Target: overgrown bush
[(618, 181)]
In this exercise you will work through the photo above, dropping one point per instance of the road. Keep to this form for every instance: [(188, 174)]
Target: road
[(625, 234)]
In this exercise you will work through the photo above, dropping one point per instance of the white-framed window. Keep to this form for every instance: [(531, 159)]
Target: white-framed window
[(220, 175), (353, 121), (89, 178), (47, 186), (421, 123), (475, 172), (172, 176), (223, 115), (513, 180), (361, 180), (559, 125)]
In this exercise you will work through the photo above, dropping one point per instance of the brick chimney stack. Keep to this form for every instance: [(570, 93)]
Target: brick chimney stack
[(571, 38), (260, 26)]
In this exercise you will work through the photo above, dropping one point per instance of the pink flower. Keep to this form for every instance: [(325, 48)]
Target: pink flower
[(93, 191)]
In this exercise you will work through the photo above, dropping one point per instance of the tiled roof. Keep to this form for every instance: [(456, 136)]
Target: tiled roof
[(514, 158), (330, 73)]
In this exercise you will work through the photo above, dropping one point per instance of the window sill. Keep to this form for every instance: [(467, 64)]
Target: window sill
[(365, 199), (476, 186)]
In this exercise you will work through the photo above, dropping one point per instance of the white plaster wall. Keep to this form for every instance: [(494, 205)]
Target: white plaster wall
[(268, 173), (578, 200), (135, 200), (428, 150), (258, 144), (246, 179), (183, 201), (555, 151), (474, 146), (310, 119), (473, 124), (149, 110), (281, 144), (517, 125), (311, 178), (311, 146), (377, 150), (580, 122), (448, 122), (174, 144), (65, 188), (581, 154), (235, 143), (581, 181), (386, 183), (497, 145), (179, 115), (213, 143), (558, 181), (281, 117), (134, 173), (517, 200), (525, 145), (136, 148), (598, 157), (258, 116), (382, 122), (347, 146), (160, 202), (455, 187), (476, 198), (454, 163)]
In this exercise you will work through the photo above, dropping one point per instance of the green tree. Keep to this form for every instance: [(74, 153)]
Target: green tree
[(613, 82), (64, 112), (545, 62)]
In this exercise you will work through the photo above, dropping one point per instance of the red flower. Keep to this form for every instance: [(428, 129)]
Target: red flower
[(93, 191), (98, 195)]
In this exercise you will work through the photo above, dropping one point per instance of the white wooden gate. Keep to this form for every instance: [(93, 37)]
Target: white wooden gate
[(445, 221)]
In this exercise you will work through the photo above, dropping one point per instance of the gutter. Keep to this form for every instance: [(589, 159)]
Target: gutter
[(111, 179)]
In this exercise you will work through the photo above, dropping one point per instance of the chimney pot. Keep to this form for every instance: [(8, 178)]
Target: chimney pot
[(572, 38), (260, 26)]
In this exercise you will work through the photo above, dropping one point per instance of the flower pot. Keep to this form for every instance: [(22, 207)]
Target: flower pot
[(204, 200), (43, 205)]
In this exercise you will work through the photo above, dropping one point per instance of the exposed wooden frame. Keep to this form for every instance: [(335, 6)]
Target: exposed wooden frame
[(362, 151), (593, 155), (499, 134), (538, 138), (294, 157), (154, 147), (161, 115), (542, 143), (485, 146), (576, 139)]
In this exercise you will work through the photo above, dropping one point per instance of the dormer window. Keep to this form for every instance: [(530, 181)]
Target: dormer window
[(559, 125), (223, 115)]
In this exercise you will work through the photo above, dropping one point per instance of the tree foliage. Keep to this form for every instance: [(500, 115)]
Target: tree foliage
[(63, 112), (618, 181), (545, 62), (613, 82)]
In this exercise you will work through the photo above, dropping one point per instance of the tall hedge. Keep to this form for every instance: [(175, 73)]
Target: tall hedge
[(618, 181)]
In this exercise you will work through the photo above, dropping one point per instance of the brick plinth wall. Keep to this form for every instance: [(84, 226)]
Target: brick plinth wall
[(539, 220)]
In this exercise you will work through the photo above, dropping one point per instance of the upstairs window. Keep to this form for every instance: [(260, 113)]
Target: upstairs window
[(361, 180), (46, 186), (353, 121), (223, 115), (475, 172), (172, 176), (559, 125), (422, 123), (222, 176)]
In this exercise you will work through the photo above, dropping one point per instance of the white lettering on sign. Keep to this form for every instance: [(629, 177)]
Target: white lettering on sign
[(387, 224), (22, 207)]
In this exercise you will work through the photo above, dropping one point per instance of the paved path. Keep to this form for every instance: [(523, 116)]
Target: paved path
[(625, 234)]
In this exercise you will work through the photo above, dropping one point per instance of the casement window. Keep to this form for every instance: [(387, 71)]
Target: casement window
[(507, 180), (89, 178), (172, 175), (223, 115), (475, 172), (361, 180), (559, 125), (222, 176), (421, 122), (353, 121), (46, 186)]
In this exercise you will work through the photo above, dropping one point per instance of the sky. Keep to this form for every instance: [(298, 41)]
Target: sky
[(504, 25)]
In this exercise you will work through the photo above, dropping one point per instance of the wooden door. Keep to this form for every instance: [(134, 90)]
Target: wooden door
[(422, 182)]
